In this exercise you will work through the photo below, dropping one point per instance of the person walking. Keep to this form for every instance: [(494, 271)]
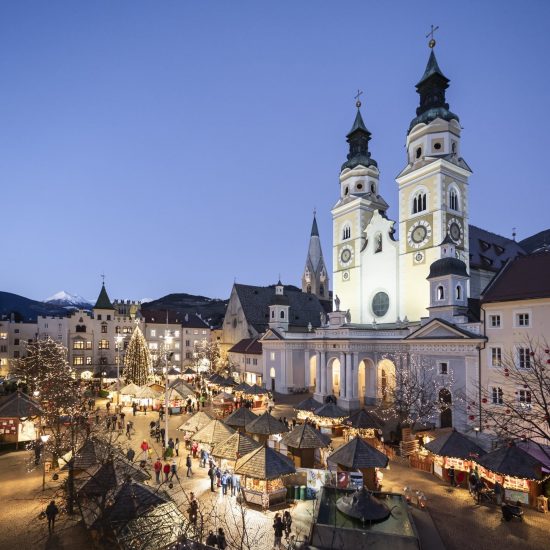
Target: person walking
[(108, 406), (218, 476), (171, 444), (211, 539), (235, 484), (287, 522), (174, 470), (177, 446), (157, 466), (451, 473), (130, 454), (166, 470), (134, 408), (220, 539), (497, 488), (224, 483), (212, 476), (51, 512), (189, 463), (193, 510), (278, 527), (202, 462)]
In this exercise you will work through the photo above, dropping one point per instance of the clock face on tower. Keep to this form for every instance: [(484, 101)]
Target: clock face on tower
[(346, 256), (419, 234), (454, 228)]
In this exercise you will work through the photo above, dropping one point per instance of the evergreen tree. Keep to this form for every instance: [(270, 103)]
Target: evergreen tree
[(138, 367)]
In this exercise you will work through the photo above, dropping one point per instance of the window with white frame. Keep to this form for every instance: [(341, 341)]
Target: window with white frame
[(453, 199), (524, 398), (153, 332), (419, 202), (522, 319), (494, 321), (497, 395), (524, 358), (346, 232), (272, 355), (496, 357), (443, 367)]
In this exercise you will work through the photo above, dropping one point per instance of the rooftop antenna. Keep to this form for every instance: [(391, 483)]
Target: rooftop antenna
[(431, 43)]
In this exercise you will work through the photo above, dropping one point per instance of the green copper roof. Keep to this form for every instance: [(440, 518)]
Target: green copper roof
[(103, 301), (432, 68), (358, 124), (358, 139)]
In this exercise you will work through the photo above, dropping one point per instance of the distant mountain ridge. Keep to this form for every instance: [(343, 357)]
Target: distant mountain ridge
[(26, 310), (67, 300)]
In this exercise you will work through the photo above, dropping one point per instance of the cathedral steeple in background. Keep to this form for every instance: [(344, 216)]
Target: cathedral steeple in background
[(315, 278)]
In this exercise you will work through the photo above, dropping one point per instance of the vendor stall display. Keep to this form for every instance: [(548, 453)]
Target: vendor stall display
[(519, 473), (263, 471), (240, 418), (18, 412), (265, 426), (223, 404), (233, 448), (306, 408), (452, 450), (364, 424), (243, 387), (304, 443), (330, 418), (255, 395), (359, 455), (214, 433)]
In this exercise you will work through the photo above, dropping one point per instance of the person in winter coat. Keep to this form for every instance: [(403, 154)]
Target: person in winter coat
[(223, 480), (188, 463), (166, 470), (278, 527), (218, 476), (51, 512), (212, 476), (220, 539), (287, 522), (174, 470), (211, 539), (157, 466)]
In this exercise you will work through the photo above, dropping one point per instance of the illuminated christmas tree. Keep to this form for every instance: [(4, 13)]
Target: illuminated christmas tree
[(138, 367)]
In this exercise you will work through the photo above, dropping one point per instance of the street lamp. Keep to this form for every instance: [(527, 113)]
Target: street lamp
[(118, 338), (167, 341), (272, 374), (44, 438)]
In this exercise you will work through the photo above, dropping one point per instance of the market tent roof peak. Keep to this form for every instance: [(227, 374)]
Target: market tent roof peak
[(512, 461), (264, 463), (130, 389), (198, 421), (19, 405), (235, 446), (330, 410), (214, 433), (455, 445), (364, 420), (266, 424), (241, 417), (309, 404), (357, 453), (305, 436)]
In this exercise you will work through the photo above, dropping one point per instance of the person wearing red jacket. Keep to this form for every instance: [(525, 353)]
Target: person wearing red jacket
[(166, 470), (157, 466)]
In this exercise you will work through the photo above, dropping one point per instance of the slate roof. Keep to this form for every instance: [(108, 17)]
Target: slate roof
[(214, 433), (535, 243), (198, 421), (264, 463), (241, 417), (95, 451), (103, 301), (330, 410), (455, 445), (235, 446), (305, 436), (447, 266), (358, 454), (524, 278), (304, 308), (243, 386), (490, 251), (266, 424), (255, 390), (363, 420), (309, 404), (512, 461), (109, 475), (19, 405), (174, 317)]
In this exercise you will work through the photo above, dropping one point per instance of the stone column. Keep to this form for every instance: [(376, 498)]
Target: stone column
[(307, 381), (355, 368), (318, 371), (343, 374), (323, 373), (350, 373)]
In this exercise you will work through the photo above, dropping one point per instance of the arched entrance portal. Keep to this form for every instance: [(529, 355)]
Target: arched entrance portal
[(386, 380), (362, 383), (313, 372), (334, 377), (446, 414)]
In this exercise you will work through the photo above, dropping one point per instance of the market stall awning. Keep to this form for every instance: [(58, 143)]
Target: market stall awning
[(256, 390), (330, 410), (223, 396), (216, 378), (241, 417), (358, 454), (264, 463), (305, 436), (266, 424), (172, 371), (227, 382), (130, 389), (364, 420), (308, 404), (214, 433), (455, 445), (198, 421), (235, 446), (146, 392), (512, 461), (19, 405), (189, 372), (538, 451), (182, 388), (243, 387)]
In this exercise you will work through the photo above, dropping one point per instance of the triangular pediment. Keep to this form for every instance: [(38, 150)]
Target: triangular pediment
[(271, 334), (437, 329)]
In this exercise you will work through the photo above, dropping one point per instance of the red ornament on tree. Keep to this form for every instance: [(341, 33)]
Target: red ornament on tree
[(472, 417), (484, 400)]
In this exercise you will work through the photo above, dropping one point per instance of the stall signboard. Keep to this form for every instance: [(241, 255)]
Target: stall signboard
[(515, 496), (516, 484), (342, 480), (438, 469), (456, 463), (487, 474)]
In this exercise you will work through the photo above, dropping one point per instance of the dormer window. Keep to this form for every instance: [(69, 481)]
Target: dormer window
[(273, 314), (419, 202)]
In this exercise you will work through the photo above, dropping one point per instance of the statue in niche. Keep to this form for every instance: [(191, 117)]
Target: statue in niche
[(378, 243), (323, 319)]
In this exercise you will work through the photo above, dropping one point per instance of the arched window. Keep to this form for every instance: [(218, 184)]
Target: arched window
[(419, 202), (458, 292), (273, 314), (346, 232), (282, 314), (308, 290), (321, 289), (453, 199), (418, 153), (372, 187), (440, 293)]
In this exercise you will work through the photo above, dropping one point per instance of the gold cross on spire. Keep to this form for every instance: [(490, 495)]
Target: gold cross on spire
[(357, 100), (103, 277), (431, 43)]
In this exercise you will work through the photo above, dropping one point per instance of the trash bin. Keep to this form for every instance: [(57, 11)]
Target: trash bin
[(303, 492), (290, 492), (296, 492)]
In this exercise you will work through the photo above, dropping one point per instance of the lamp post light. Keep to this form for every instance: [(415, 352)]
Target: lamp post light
[(167, 341), (118, 338), (44, 438)]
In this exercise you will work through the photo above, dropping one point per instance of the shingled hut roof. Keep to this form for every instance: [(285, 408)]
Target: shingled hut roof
[(455, 445), (241, 417), (512, 461), (255, 390), (309, 404), (358, 454), (19, 405), (264, 463), (305, 436), (266, 424), (130, 389), (235, 446), (214, 433), (243, 386), (363, 420), (330, 410), (198, 421)]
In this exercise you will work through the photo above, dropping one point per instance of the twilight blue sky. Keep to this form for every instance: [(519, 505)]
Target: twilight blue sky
[(177, 145)]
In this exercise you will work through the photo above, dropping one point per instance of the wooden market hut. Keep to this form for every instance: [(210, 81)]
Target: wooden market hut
[(256, 395), (329, 416), (306, 408), (17, 411), (453, 449), (235, 446), (364, 424), (357, 454), (519, 472), (240, 418), (262, 472), (214, 433), (198, 421), (243, 387), (302, 442), (130, 389), (265, 426)]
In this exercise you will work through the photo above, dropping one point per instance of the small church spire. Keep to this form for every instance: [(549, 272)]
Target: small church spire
[(314, 228), (315, 277)]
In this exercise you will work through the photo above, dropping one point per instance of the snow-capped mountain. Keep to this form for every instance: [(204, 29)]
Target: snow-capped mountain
[(65, 299)]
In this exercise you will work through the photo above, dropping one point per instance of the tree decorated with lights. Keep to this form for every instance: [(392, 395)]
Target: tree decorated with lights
[(138, 365), (207, 354)]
